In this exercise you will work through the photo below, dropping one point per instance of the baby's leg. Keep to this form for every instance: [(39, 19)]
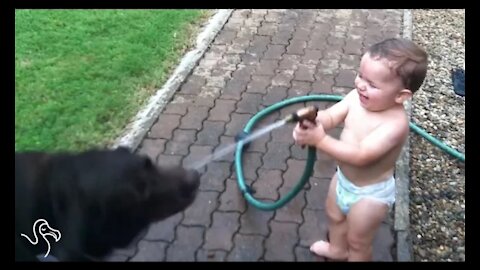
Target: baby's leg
[(364, 219), (337, 227)]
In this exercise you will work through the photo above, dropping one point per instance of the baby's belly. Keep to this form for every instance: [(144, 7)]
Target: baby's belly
[(365, 175)]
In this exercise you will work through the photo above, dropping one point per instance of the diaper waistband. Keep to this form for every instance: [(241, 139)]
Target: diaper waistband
[(345, 183)]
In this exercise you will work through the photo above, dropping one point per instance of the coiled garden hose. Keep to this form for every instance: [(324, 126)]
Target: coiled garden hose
[(311, 155)]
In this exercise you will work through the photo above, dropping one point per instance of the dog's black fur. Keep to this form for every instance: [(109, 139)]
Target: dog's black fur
[(99, 200)]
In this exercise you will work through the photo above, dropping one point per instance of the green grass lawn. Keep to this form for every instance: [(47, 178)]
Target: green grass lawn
[(81, 75)]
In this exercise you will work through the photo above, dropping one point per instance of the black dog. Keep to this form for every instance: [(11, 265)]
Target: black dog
[(87, 204)]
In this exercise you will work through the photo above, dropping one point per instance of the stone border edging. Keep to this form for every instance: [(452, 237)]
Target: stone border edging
[(402, 174), (134, 133)]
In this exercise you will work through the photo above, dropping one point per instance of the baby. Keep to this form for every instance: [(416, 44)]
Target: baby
[(375, 129)]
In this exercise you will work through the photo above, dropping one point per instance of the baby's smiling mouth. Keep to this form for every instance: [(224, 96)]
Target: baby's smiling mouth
[(363, 96)]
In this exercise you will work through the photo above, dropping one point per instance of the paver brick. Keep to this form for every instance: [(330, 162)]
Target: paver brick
[(283, 78), (234, 89), (232, 199), (194, 118), (152, 148), (150, 251), (255, 221), (176, 148), (164, 229), (280, 244), (169, 160), (274, 52), (303, 254), (179, 104), (197, 154), (259, 84), (266, 67), (314, 228), (305, 73), (211, 132), (323, 84), (276, 156), (267, 29), (292, 211), (297, 46), (199, 212), (289, 62), (211, 255), (250, 163), (227, 143), (246, 248), (249, 103), (225, 37), (345, 78), (281, 38), (163, 128), (222, 110), (299, 88), (316, 195), (274, 95), (187, 241), (236, 124), (220, 234), (215, 176), (267, 185), (184, 135), (193, 85)]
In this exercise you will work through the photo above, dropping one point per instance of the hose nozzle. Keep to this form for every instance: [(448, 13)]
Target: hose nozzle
[(308, 113)]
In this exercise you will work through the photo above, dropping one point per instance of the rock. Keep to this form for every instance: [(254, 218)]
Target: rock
[(437, 184)]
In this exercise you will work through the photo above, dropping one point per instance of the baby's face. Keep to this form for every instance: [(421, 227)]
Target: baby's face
[(377, 85)]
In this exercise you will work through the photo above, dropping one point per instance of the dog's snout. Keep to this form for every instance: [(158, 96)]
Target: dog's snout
[(190, 184), (193, 178)]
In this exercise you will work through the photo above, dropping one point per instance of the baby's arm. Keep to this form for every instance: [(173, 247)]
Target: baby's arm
[(336, 114), (383, 139)]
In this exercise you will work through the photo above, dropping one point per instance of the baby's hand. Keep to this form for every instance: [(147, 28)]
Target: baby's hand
[(311, 135)]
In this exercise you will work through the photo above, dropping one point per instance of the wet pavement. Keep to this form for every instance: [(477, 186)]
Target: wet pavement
[(259, 58)]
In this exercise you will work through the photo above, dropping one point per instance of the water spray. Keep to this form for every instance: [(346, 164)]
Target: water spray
[(304, 114)]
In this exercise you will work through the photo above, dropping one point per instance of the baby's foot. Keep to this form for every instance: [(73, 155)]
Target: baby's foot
[(322, 248)]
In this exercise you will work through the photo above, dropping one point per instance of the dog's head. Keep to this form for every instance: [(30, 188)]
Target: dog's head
[(135, 183), (104, 198)]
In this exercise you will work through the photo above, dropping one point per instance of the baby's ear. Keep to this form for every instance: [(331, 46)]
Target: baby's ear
[(403, 95)]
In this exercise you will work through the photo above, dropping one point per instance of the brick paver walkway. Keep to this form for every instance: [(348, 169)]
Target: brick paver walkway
[(259, 58)]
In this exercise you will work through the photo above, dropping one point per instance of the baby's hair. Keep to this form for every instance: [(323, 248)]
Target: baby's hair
[(409, 60)]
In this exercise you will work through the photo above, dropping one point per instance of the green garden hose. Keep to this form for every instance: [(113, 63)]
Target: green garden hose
[(311, 151)]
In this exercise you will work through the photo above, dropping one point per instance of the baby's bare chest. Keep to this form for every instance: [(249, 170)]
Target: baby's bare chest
[(359, 123)]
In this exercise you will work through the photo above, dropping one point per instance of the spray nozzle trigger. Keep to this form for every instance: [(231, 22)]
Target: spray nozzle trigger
[(308, 113)]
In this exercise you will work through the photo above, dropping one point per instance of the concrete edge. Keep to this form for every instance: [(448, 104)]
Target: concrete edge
[(136, 130), (402, 174)]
